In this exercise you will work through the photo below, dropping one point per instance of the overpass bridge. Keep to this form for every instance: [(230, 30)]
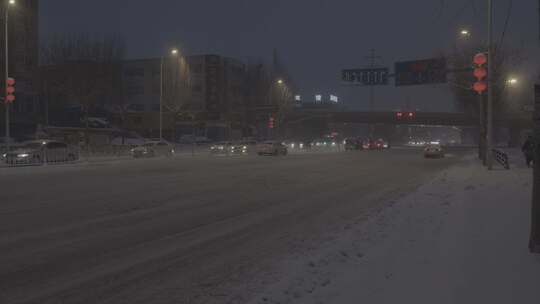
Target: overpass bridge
[(417, 118)]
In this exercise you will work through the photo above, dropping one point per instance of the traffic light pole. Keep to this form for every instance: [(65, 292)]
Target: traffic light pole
[(489, 146), (6, 102)]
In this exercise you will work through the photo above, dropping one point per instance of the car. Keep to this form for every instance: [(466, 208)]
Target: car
[(223, 147), (152, 149), (378, 144), (352, 144), (433, 151), (39, 152), (324, 144), (271, 148), (242, 147), (295, 145)]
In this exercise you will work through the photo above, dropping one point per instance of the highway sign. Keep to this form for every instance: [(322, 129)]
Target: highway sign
[(428, 71), (366, 77)]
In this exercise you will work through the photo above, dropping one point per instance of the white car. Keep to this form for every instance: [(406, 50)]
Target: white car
[(152, 149), (433, 151), (271, 148)]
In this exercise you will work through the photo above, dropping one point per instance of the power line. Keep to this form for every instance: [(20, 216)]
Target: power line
[(506, 22)]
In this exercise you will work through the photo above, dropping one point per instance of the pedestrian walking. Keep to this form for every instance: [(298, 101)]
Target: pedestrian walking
[(528, 150)]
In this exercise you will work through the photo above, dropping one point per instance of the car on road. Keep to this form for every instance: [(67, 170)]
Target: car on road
[(223, 147), (433, 151), (271, 148), (244, 147), (152, 149), (352, 143), (39, 152), (379, 144)]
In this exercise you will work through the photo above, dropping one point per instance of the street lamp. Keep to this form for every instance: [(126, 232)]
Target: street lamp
[(512, 81), (280, 81), (465, 33), (6, 27), (173, 52)]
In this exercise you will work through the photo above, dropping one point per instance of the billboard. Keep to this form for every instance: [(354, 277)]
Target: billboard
[(418, 72)]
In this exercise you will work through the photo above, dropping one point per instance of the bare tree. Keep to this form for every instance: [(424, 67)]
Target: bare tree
[(81, 70)]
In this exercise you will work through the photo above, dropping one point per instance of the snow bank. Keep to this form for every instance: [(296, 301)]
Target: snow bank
[(461, 238)]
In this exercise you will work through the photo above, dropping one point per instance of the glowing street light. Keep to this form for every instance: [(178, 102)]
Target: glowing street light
[(11, 2), (174, 52), (280, 81), (512, 81), (465, 33)]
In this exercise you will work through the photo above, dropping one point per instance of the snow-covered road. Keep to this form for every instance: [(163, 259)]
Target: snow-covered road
[(185, 230)]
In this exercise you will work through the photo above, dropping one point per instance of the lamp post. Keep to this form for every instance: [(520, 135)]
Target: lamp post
[(173, 52), (490, 83), (6, 103)]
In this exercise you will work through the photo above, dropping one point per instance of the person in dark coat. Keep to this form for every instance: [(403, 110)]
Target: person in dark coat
[(528, 150)]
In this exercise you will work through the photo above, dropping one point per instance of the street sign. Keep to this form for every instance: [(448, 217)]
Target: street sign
[(366, 77), (418, 72)]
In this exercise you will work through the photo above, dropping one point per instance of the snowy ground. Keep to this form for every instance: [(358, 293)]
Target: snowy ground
[(461, 238), (186, 229)]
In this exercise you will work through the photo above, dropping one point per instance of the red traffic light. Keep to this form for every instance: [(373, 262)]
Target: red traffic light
[(480, 59), (271, 123), (480, 73), (10, 90), (480, 87)]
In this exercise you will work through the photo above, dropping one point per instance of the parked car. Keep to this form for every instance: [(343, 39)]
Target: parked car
[(433, 151), (41, 151), (271, 148), (152, 149)]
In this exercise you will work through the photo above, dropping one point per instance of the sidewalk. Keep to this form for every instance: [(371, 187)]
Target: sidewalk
[(460, 239)]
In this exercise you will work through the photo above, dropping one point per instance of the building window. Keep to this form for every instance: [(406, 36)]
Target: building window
[(197, 69), (135, 90), (134, 72), (197, 89)]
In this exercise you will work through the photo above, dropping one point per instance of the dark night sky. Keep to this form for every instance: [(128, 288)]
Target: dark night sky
[(315, 38)]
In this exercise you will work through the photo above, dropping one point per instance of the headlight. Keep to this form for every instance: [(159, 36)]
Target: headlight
[(333, 143), (4, 155), (244, 147), (301, 146), (23, 155), (292, 145)]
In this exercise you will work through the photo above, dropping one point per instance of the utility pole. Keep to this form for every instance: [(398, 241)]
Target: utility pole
[(6, 102), (490, 78)]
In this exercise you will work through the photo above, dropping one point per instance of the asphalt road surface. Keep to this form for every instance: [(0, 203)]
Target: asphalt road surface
[(182, 230)]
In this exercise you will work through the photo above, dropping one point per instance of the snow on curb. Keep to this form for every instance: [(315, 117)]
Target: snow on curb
[(462, 238)]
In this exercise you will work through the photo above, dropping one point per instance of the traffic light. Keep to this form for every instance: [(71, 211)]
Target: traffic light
[(271, 122), (10, 90), (480, 73)]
